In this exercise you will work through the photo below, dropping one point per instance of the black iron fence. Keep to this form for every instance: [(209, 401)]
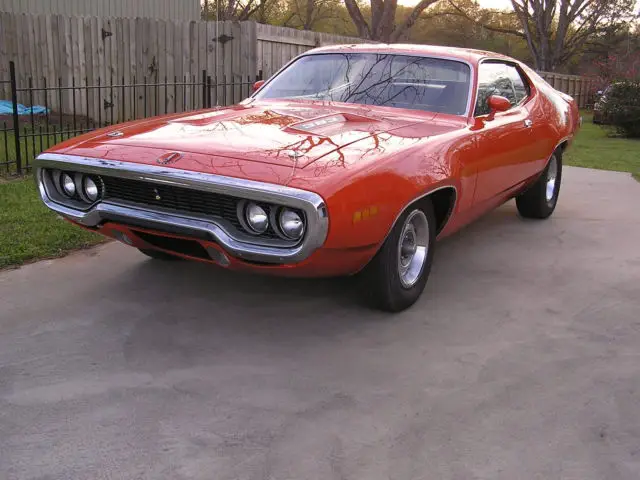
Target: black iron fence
[(42, 114)]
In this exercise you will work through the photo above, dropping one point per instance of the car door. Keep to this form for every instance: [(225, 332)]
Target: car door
[(505, 149)]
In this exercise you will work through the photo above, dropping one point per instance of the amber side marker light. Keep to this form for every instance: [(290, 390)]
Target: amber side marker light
[(365, 213)]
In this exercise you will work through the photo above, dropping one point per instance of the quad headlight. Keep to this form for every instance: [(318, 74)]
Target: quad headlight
[(78, 188), (257, 218), (67, 184), (271, 221), (90, 189), (291, 224)]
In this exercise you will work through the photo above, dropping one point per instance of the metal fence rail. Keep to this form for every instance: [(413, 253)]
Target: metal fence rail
[(22, 137)]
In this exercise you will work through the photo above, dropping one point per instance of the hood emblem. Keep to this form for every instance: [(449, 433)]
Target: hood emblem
[(168, 158), (116, 133)]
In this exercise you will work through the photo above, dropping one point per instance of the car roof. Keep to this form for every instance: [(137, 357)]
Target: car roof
[(467, 54)]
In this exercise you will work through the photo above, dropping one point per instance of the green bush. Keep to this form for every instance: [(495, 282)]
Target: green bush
[(622, 108)]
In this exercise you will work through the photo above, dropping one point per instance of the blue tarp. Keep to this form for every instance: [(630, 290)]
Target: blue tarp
[(6, 108)]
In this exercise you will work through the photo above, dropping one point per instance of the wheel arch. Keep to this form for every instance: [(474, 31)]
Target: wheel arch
[(562, 146), (443, 199)]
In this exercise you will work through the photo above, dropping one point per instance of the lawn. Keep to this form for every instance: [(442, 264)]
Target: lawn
[(593, 148), (29, 148), (28, 230)]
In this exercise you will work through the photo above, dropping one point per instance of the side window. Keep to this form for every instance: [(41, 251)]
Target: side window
[(520, 85), (495, 78)]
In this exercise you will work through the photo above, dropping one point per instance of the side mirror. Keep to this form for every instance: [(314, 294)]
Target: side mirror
[(258, 85), (498, 104)]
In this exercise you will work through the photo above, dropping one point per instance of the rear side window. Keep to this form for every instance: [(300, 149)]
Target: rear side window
[(497, 78), (520, 86)]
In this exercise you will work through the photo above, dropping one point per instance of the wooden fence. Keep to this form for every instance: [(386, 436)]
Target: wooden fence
[(161, 9), (580, 88), (63, 50), (72, 51), (277, 45), (66, 50)]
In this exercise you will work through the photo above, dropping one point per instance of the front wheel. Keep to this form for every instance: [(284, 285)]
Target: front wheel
[(397, 275), (540, 200)]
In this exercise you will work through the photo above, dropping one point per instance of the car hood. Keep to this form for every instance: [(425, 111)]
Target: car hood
[(284, 133), (270, 142)]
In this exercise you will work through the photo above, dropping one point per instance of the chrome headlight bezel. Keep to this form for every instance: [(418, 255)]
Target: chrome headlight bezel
[(52, 179), (274, 228)]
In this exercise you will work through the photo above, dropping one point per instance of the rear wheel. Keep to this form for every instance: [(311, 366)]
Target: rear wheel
[(158, 255), (397, 275), (540, 200)]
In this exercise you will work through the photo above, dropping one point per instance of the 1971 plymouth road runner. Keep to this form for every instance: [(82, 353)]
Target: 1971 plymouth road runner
[(351, 159)]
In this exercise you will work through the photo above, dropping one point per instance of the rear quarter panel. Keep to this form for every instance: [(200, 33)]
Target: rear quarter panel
[(556, 112)]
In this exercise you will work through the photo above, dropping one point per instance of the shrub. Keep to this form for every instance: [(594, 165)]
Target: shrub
[(622, 108)]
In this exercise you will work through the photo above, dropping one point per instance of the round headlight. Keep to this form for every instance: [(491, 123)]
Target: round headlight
[(291, 224), (90, 188), (68, 185), (257, 218)]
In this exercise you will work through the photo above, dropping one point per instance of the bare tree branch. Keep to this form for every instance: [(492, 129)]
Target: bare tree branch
[(460, 12), (556, 30), (411, 19), (383, 19), (358, 18)]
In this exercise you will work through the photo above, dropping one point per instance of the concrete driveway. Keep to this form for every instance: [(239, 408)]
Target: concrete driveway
[(521, 361)]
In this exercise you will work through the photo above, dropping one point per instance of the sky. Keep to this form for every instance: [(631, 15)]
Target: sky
[(495, 4)]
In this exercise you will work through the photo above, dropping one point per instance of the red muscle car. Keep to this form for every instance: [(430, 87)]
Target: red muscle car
[(350, 160)]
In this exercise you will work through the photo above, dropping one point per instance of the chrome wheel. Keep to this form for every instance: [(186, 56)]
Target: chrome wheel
[(413, 247), (552, 174)]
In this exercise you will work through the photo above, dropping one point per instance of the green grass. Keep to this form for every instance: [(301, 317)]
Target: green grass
[(28, 230), (30, 147), (594, 148)]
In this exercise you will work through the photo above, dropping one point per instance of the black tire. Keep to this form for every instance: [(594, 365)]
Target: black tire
[(382, 280), (158, 255), (537, 201)]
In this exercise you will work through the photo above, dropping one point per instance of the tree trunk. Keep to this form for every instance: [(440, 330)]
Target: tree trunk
[(358, 18), (383, 19)]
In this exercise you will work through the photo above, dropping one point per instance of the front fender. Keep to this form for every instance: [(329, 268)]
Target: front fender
[(363, 205)]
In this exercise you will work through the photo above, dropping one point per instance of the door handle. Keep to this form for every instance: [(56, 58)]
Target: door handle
[(528, 123)]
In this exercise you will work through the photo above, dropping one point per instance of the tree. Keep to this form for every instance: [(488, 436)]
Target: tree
[(442, 25), (556, 30), (239, 10), (307, 14), (382, 25)]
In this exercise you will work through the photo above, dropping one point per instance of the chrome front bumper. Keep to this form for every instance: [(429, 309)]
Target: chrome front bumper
[(237, 243)]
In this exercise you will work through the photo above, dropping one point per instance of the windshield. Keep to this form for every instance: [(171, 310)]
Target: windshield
[(402, 81)]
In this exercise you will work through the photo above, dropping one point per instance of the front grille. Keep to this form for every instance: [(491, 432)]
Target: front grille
[(177, 199)]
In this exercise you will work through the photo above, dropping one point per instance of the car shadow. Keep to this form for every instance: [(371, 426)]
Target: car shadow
[(209, 298)]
